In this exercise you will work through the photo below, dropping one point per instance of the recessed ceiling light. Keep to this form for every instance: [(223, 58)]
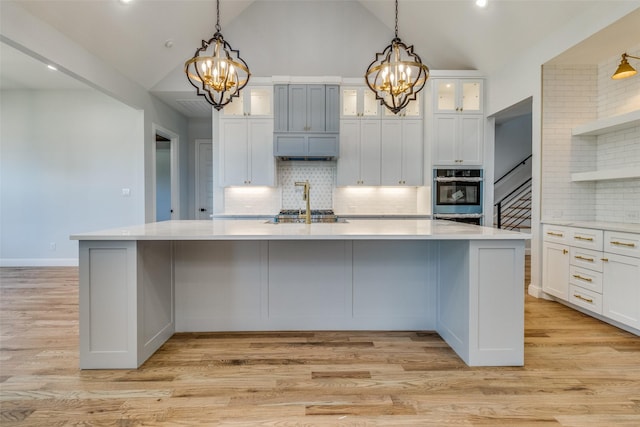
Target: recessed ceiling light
[(125, 1), (51, 67), (481, 3)]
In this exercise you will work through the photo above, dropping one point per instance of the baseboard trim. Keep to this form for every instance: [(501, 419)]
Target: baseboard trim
[(535, 291), (38, 262)]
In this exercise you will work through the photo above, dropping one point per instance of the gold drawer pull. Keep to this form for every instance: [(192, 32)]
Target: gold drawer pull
[(583, 258), (588, 239), (555, 234), (564, 251), (630, 245), (586, 279), (589, 300), (604, 259)]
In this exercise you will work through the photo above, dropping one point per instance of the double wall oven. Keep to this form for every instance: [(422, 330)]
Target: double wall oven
[(457, 195)]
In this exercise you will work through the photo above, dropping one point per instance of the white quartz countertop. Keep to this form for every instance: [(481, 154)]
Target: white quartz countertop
[(611, 226), (353, 229)]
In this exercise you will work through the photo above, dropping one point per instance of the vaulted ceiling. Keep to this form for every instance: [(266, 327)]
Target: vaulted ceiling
[(309, 37)]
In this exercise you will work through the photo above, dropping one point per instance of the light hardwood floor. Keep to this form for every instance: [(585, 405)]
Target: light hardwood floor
[(578, 372)]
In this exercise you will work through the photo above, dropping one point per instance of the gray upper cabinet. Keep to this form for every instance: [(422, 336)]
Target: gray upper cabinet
[(306, 120)]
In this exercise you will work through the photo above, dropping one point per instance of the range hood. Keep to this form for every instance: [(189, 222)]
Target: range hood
[(292, 146), (306, 121)]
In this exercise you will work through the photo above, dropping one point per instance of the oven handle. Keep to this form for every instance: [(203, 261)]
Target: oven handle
[(452, 179)]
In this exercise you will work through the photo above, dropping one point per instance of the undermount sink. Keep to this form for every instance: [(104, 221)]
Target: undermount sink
[(332, 220)]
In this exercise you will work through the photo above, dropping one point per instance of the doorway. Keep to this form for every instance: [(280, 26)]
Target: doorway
[(163, 178), (204, 179), (165, 182)]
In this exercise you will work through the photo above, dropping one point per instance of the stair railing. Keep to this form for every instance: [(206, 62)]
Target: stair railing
[(515, 194), (509, 200)]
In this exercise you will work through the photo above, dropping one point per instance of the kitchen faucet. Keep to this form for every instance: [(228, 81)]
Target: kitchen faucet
[(305, 197)]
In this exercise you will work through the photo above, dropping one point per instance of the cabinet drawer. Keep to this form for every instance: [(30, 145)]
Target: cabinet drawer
[(586, 238), (555, 233), (622, 243), (588, 279), (586, 258), (585, 299)]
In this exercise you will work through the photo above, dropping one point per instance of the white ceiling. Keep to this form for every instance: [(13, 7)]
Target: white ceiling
[(448, 34)]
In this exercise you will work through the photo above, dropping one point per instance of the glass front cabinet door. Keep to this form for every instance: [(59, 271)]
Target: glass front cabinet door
[(359, 102), (253, 101), (458, 95)]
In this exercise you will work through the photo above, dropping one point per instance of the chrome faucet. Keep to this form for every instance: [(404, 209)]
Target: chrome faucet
[(305, 197)]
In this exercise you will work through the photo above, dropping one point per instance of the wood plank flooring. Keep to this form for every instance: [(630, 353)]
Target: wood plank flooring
[(578, 372)]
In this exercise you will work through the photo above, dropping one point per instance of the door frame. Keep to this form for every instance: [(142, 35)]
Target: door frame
[(174, 140), (198, 203)]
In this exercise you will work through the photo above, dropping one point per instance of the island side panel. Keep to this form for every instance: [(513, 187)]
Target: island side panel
[(453, 295), (156, 319), (108, 304), (497, 303), (394, 285), (221, 285)]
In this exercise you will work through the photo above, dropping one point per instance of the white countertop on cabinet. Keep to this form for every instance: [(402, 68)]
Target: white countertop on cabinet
[(353, 229), (598, 225)]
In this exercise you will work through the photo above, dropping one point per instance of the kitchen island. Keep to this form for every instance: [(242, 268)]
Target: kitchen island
[(141, 284)]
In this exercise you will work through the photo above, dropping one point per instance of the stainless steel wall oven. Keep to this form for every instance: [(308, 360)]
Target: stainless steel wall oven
[(457, 195)]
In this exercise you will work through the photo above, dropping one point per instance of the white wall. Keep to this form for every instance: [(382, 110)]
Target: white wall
[(512, 143), (38, 39), (65, 158)]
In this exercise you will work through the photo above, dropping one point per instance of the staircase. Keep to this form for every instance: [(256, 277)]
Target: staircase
[(512, 211)]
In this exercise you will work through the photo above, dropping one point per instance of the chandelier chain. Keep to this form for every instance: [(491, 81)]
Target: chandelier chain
[(396, 18), (218, 15)]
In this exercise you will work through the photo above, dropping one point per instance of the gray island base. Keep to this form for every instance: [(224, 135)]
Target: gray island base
[(139, 285)]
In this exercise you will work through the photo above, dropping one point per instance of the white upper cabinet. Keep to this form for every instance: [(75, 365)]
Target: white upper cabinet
[(402, 155), (359, 161), (412, 110), (256, 101), (359, 102), (458, 96), (246, 152)]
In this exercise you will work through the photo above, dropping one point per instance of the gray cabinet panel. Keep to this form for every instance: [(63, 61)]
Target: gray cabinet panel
[(280, 105), (297, 108), (323, 145), (316, 108), (332, 108)]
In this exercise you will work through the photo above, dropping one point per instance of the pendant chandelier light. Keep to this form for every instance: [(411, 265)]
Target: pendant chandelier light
[(397, 74), (216, 70)]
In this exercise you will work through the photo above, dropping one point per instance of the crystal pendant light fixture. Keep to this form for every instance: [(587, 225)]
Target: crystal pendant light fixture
[(397, 74), (216, 70)]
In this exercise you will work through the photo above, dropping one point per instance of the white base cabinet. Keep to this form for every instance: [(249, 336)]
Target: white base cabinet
[(596, 270), (555, 258)]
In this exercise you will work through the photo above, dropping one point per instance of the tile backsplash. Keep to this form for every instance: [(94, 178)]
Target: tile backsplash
[(575, 95), (324, 194), (321, 176)]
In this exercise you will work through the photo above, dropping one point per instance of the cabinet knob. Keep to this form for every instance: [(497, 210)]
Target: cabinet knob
[(203, 210), (564, 251)]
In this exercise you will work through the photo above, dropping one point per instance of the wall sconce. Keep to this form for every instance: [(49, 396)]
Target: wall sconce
[(625, 69)]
